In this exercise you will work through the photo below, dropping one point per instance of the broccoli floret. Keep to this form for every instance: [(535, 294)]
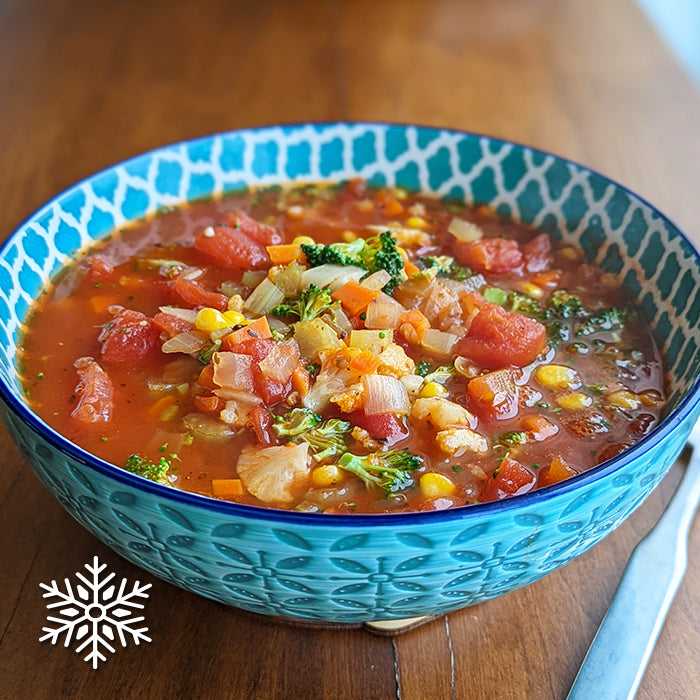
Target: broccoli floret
[(604, 320), (387, 470), (525, 305), (142, 466), (511, 438), (441, 374), (335, 253), (423, 368), (381, 253), (375, 253), (310, 303), (563, 304), (443, 263), (326, 440), (303, 425), (297, 421)]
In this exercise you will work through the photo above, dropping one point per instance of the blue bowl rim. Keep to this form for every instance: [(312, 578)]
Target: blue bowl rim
[(462, 513)]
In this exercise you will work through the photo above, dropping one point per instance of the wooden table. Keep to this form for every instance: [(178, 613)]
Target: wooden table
[(83, 85)]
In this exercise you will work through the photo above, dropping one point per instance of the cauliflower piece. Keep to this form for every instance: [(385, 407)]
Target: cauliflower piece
[(351, 399), (395, 362), (455, 441), (442, 413), (275, 474)]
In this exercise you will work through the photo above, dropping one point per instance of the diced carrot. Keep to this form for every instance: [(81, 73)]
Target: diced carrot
[(414, 324), (301, 380), (208, 403), (225, 488), (546, 278), (494, 395), (410, 269), (558, 471), (365, 362), (206, 377), (354, 297), (101, 302), (539, 427), (162, 404), (285, 254), (259, 328), (391, 205)]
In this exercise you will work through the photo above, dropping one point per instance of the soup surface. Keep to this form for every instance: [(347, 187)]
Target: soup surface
[(341, 349)]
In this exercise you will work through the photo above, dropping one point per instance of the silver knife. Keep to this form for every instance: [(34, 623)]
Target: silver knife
[(619, 653)]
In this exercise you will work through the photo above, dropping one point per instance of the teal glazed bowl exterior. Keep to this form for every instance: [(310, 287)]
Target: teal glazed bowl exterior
[(364, 567)]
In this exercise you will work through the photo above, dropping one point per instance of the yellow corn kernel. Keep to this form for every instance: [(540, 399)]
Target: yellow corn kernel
[(234, 318), (557, 377), (400, 193), (569, 252), (349, 236), (574, 401), (416, 222), (431, 389), (623, 399), (326, 475), (209, 320), (532, 290), (434, 485), (304, 240), (403, 253)]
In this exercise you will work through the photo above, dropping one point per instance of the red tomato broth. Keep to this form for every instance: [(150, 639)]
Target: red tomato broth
[(150, 422)]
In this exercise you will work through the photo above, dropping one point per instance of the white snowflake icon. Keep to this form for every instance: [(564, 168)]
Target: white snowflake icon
[(96, 613)]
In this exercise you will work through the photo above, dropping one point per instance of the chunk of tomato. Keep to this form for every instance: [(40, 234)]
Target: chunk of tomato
[(262, 233), (128, 338), (383, 426), (195, 294), (538, 253), (490, 255), (494, 395), (510, 479), (99, 269), (498, 338), (93, 393), (172, 325), (232, 248), (269, 390)]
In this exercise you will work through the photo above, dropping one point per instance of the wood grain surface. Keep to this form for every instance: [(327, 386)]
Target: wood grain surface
[(87, 84)]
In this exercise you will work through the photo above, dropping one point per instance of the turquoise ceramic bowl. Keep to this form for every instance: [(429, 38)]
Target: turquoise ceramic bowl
[(355, 568)]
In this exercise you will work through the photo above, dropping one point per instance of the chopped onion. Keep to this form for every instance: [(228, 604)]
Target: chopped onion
[(264, 298), (202, 425), (188, 342), (471, 284), (384, 394), (233, 373), (339, 320), (252, 278), (413, 383), (331, 276), (188, 315), (438, 342), (377, 280), (281, 361), (465, 230), (382, 314), (289, 280), (373, 340)]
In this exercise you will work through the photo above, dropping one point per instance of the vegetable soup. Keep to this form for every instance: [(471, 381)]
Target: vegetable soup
[(341, 349)]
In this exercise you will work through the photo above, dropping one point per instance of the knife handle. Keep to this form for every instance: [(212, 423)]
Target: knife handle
[(619, 653)]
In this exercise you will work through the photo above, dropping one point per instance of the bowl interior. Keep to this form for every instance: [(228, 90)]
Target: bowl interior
[(616, 229)]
